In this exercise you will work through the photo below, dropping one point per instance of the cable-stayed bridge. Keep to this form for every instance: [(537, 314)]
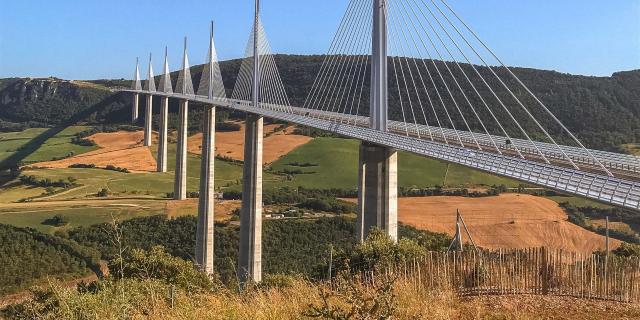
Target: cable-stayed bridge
[(407, 75)]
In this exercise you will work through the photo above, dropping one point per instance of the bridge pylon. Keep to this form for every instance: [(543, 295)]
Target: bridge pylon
[(151, 87), (212, 87), (136, 97), (165, 86), (250, 260), (378, 165), (185, 87)]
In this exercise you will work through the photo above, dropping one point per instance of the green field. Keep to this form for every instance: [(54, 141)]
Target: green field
[(39, 144), (579, 202), (333, 165), (336, 163), (87, 214)]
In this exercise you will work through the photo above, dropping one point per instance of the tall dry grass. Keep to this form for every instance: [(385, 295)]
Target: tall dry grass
[(149, 299)]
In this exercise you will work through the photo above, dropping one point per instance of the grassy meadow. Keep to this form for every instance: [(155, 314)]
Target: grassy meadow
[(85, 213), (40, 144), (334, 164), (322, 163)]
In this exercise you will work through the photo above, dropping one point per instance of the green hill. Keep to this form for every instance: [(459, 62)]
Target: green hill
[(604, 112), (28, 256)]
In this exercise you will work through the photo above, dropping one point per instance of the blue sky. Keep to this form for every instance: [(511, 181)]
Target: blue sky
[(90, 39)]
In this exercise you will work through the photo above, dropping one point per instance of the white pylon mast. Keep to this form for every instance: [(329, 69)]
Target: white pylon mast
[(211, 48), (185, 65), (136, 77), (379, 104), (256, 58)]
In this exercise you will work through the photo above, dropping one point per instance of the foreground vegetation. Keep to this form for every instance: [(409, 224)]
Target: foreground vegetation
[(153, 284), (297, 246), (28, 256)]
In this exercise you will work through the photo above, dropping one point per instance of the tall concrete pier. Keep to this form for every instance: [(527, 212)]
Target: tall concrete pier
[(377, 190), (148, 118), (210, 86), (378, 166), (161, 159), (180, 187), (250, 260), (134, 108), (204, 235)]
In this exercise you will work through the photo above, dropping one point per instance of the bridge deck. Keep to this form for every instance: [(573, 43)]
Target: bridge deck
[(591, 182)]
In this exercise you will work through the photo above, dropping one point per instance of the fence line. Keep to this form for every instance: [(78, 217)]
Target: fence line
[(528, 271)]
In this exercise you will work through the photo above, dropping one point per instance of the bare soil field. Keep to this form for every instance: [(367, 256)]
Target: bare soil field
[(230, 144), (547, 307), (223, 209), (505, 221), (120, 149)]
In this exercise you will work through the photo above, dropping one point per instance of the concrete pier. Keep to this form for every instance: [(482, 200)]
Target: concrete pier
[(180, 187), (204, 235), (250, 259), (148, 118), (377, 190), (134, 108), (162, 138)]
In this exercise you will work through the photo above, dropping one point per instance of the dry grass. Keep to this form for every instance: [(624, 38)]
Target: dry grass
[(506, 221), (121, 149), (148, 300), (230, 144), (223, 209)]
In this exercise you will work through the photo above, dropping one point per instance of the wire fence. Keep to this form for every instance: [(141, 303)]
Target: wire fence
[(540, 271)]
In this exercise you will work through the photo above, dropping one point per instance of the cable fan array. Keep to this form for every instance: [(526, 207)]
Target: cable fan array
[(210, 84), (272, 94), (442, 86)]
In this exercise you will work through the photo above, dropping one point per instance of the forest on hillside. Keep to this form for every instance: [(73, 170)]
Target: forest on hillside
[(297, 246), (604, 112)]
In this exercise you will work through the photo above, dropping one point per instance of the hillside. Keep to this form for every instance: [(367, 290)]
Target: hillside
[(28, 256), (603, 111)]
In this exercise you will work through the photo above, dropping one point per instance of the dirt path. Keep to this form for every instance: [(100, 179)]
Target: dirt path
[(230, 144), (121, 149)]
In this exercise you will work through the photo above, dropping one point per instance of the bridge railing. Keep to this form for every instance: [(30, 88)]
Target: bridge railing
[(594, 185)]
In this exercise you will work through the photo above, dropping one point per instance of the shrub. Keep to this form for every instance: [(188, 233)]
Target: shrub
[(57, 221), (114, 168), (82, 166), (158, 264), (352, 299), (627, 250), (378, 252), (227, 127), (104, 192)]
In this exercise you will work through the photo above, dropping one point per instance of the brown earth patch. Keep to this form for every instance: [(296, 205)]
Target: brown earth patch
[(231, 144), (505, 221), (121, 149), (223, 209), (546, 307)]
